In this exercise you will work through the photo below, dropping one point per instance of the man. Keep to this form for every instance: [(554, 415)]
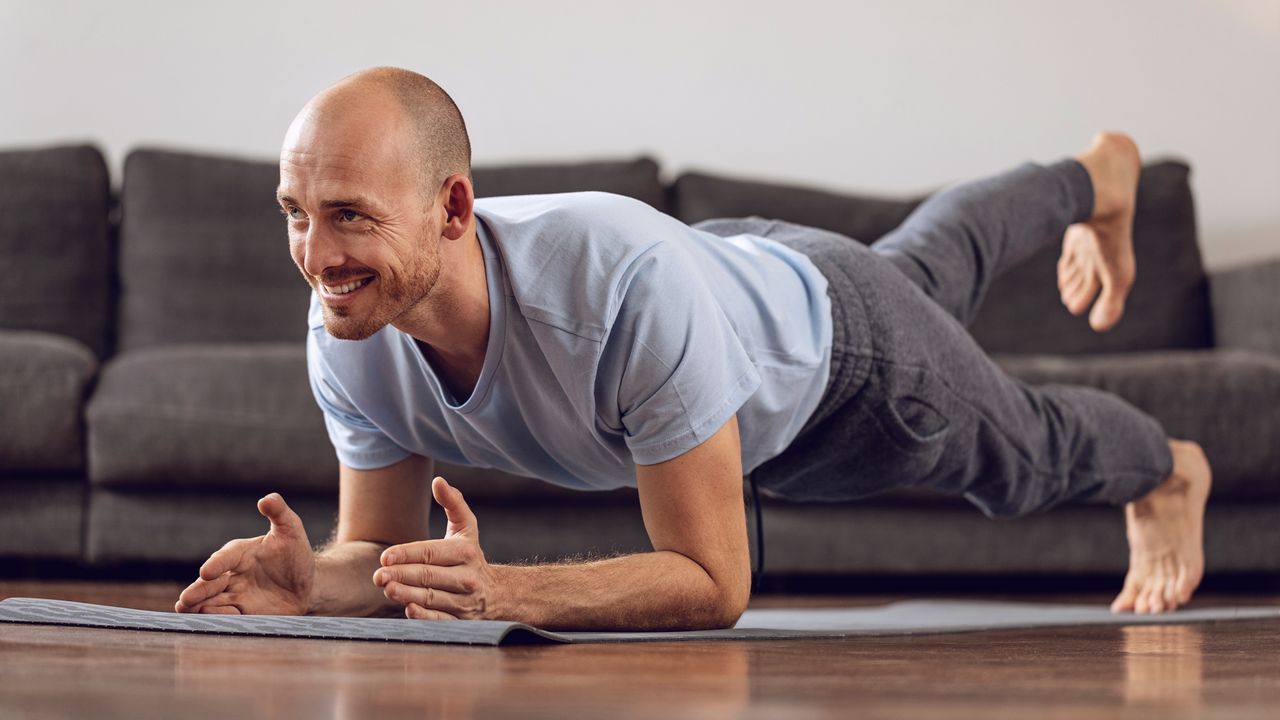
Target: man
[(591, 341)]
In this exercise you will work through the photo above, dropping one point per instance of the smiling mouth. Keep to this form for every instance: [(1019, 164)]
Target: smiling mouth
[(346, 289)]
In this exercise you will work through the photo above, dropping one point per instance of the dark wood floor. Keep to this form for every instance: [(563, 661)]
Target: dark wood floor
[(1166, 671)]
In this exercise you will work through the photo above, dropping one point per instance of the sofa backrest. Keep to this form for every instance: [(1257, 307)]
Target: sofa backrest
[(1022, 313), (54, 239), (637, 178), (204, 255)]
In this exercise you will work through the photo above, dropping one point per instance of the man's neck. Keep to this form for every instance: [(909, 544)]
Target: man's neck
[(454, 324)]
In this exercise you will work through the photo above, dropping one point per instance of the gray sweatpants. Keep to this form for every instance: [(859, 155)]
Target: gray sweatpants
[(912, 399)]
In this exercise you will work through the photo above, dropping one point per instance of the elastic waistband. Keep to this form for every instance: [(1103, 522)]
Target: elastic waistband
[(851, 341)]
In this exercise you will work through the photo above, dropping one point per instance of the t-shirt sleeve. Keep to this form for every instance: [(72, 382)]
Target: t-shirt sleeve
[(686, 372), (358, 442)]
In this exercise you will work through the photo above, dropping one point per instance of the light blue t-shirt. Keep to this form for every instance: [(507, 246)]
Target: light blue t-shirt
[(618, 336)]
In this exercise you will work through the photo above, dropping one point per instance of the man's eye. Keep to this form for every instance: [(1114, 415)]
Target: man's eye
[(294, 212), (349, 215)]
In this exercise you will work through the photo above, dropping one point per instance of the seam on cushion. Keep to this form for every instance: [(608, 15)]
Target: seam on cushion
[(149, 411)]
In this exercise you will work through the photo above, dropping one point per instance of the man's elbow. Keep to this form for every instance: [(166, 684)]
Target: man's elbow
[(730, 603), (728, 617)]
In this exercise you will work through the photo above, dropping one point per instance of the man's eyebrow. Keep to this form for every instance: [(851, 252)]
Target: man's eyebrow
[(356, 201), (350, 202)]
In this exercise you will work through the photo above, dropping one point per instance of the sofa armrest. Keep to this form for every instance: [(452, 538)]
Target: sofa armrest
[(1246, 306)]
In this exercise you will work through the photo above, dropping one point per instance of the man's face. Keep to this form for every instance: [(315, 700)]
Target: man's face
[(357, 217)]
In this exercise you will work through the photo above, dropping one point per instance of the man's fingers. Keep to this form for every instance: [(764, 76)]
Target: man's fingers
[(430, 599), (283, 518), (456, 578), (431, 552), (228, 558), (414, 611), (201, 590), (220, 610), (225, 598), (461, 520)]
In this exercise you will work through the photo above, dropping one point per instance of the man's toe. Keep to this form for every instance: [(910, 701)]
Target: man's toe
[(1085, 295), (1143, 603), (1171, 599), (1124, 601), (1107, 310), (1186, 585)]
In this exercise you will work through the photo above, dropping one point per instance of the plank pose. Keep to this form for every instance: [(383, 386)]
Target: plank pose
[(594, 342)]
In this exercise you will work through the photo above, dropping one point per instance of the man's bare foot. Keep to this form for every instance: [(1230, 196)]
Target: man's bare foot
[(1166, 536), (1098, 253)]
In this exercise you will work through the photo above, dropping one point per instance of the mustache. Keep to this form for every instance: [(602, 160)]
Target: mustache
[(345, 277)]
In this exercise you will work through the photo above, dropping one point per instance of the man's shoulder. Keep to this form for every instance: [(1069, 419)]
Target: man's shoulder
[(569, 256), (592, 222), (532, 206)]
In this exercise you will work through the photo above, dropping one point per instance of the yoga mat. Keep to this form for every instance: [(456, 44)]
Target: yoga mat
[(908, 617)]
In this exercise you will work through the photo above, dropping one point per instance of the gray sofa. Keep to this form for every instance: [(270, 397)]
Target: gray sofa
[(153, 381)]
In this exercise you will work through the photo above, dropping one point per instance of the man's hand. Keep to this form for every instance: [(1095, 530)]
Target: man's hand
[(697, 577), (270, 574), (446, 579)]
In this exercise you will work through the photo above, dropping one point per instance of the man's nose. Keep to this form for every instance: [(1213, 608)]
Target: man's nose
[(321, 250)]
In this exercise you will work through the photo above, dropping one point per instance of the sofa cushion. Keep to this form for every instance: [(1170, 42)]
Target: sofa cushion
[(209, 415), (1226, 400), (243, 416), (1245, 312), (1022, 312), (204, 255), (496, 487), (870, 537), (125, 525), (42, 517), (188, 526), (54, 236), (43, 383), (637, 178)]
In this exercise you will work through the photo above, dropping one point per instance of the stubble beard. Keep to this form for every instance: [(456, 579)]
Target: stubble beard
[(394, 298)]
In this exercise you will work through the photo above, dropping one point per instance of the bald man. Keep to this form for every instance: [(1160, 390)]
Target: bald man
[(593, 342)]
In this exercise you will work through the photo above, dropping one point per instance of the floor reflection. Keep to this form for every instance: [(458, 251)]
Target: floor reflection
[(387, 680), (1163, 664), (547, 680)]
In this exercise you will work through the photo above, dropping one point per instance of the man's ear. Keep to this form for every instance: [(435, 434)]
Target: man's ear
[(459, 197)]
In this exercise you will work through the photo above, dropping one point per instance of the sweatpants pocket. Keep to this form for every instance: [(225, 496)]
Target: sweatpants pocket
[(910, 413), (891, 434)]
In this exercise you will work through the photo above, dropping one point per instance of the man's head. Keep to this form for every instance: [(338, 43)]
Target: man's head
[(375, 172)]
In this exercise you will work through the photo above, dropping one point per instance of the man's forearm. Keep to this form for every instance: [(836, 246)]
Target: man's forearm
[(661, 590), (344, 582)]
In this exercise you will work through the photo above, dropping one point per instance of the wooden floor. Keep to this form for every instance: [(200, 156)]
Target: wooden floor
[(1168, 671)]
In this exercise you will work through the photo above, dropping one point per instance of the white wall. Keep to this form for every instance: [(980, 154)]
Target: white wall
[(890, 96)]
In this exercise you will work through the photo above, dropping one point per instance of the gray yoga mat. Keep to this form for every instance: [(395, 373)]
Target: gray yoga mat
[(908, 617)]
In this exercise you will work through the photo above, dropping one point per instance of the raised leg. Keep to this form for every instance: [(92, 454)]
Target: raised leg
[(920, 404), (932, 410), (968, 234), (963, 237)]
